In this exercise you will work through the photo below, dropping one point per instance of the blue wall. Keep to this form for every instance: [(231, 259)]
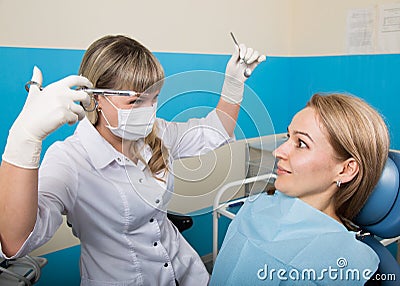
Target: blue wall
[(277, 90), (282, 85), (375, 78)]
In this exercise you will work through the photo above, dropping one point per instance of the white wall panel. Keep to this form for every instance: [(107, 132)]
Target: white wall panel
[(320, 26), (169, 26), (288, 27)]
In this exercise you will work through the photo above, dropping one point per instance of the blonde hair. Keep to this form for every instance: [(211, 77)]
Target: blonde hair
[(119, 62), (355, 130)]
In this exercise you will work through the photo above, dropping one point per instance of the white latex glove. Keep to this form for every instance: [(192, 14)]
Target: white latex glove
[(44, 111), (243, 58)]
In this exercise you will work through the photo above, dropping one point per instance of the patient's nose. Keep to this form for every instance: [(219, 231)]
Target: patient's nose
[(282, 151)]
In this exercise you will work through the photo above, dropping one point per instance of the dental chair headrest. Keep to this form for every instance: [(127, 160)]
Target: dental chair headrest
[(381, 213)]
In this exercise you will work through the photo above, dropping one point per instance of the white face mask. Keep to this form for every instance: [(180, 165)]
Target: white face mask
[(134, 123)]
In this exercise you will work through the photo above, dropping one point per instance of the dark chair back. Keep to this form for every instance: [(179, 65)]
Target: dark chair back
[(380, 217)]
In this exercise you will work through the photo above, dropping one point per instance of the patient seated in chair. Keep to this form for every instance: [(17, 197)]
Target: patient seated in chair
[(305, 233)]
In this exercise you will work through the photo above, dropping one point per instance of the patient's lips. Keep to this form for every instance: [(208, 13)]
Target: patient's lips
[(282, 171)]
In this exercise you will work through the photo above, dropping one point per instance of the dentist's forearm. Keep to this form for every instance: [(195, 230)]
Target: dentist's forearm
[(228, 114), (18, 205)]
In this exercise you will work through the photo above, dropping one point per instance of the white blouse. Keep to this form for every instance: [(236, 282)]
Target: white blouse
[(117, 209)]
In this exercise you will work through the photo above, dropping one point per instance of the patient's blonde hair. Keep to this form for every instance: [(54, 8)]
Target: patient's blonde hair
[(119, 62), (355, 130)]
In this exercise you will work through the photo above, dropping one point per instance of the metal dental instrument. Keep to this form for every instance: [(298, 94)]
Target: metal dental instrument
[(247, 71), (98, 91)]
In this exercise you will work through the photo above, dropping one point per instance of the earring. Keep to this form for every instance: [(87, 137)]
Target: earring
[(338, 183)]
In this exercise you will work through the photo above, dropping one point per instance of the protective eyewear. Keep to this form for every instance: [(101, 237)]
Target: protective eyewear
[(111, 92)]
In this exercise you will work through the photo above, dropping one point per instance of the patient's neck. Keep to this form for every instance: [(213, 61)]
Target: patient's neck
[(333, 215), (324, 204)]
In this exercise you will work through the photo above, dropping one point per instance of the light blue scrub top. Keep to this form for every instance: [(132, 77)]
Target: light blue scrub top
[(118, 209), (280, 240)]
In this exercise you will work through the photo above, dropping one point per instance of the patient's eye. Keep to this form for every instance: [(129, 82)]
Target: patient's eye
[(301, 144)]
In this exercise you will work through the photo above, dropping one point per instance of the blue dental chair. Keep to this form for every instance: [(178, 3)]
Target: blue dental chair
[(380, 218)]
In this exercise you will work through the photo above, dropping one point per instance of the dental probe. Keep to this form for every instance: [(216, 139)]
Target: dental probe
[(247, 71)]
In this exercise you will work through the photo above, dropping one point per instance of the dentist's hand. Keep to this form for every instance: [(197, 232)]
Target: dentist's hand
[(44, 111), (54, 105), (235, 74)]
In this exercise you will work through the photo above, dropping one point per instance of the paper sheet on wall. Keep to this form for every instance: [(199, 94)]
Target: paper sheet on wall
[(360, 31), (389, 28)]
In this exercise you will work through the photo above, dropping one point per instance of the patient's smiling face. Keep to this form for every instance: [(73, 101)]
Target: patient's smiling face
[(307, 167)]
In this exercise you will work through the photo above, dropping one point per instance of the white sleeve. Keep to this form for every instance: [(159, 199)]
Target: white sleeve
[(194, 137)]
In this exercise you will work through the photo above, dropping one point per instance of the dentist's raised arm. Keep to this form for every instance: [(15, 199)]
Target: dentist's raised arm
[(44, 111), (240, 66)]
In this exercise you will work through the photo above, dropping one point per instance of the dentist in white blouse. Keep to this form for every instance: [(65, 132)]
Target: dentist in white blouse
[(111, 177)]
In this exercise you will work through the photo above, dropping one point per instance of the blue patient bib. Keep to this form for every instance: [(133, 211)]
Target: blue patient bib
[(281, 240)]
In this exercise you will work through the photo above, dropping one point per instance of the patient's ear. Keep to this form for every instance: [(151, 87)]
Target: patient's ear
[(350, 169)]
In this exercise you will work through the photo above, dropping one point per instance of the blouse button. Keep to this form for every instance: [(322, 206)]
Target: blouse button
[(141, 180), (119, 159), (157, 201), (155, 243), (165, 264), (151, 220)]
